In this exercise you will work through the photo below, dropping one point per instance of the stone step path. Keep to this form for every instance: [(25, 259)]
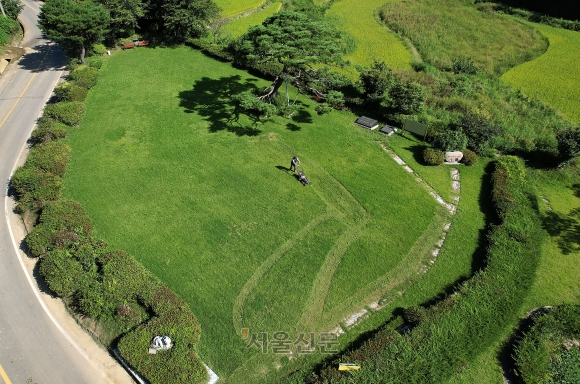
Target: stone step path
[(355, 318)]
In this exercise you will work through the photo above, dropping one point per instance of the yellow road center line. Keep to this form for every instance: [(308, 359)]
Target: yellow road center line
[(17, 100), (30, 7), (4, 376), (25, 88)]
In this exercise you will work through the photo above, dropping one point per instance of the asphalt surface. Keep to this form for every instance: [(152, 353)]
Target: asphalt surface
[(32, 347)]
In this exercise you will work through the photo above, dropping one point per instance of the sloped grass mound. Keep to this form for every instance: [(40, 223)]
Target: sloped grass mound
[(554, 77), (201, 194), (465, 324), (443, 31), (550, 349)]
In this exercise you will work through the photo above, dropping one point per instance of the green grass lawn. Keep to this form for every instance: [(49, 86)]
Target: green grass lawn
[(233, 7), (373, 41), (206, 203), (554, 77), (240, 26)]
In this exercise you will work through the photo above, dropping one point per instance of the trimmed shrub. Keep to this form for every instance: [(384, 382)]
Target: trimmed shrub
[(35, 188), (172, 318), (433, 156), (64, 220), (95, 62), (469, 157), (68, 91), (47, 133), (85, 76), (61, 272), (99, 49), (51, 158), (69, 113)]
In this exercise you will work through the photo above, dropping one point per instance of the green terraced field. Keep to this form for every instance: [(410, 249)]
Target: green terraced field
[(239, 26), (554, 77), (233, 7), (374, 41)]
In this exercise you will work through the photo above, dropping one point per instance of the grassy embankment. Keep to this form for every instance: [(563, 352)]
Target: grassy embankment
[(205, 203)]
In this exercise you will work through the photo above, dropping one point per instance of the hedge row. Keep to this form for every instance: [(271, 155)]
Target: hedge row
[(550, 350), (109, 286), (112, 285), (452, 333)]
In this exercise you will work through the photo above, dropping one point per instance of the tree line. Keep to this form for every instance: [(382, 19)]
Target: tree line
[(77, 25)]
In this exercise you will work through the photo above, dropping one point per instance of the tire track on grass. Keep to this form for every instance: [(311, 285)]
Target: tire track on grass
[(237, 311)]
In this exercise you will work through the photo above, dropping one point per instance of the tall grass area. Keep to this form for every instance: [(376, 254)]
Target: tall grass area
[(202, 197), (234, 7), (554, 77), (373, 41), (240, 26), (8, 27), (446, 30)]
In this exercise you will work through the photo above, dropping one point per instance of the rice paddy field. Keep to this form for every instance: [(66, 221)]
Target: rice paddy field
[(373, 40), (554, 77), (239, 26), (203, 198), (234, 7)]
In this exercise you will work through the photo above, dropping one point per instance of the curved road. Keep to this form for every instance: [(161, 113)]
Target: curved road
[(32, 348)]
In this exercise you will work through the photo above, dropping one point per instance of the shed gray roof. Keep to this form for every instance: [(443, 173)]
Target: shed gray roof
[(387, 129), (367, 122)]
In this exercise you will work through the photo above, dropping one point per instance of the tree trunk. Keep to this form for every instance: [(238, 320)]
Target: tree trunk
[(83, 53), (276, 86)]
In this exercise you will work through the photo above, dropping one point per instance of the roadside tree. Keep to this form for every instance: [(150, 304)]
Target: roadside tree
[(76, 25)]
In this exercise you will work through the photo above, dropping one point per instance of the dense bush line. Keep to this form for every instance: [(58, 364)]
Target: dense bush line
[(550, 350), (8, 27), (453, 332), (108, 286)]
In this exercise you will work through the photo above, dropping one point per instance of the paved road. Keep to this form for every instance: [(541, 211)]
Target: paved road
[(31, 345)]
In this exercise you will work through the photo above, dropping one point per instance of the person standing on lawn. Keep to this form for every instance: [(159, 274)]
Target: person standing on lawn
[(293, 163)]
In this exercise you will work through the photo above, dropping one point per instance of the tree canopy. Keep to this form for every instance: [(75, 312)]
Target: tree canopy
[(76, 25), (291, 46)]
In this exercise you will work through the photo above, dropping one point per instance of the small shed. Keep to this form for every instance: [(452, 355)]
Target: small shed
[(367, 122), (388, 130), (453, 157)]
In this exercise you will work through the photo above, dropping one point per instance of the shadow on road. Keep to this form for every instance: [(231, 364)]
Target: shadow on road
[(43, 58)]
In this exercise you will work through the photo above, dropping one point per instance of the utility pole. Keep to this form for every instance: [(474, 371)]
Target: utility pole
[(2, 8)]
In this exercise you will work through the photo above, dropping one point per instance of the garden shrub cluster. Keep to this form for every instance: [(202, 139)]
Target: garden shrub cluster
[(433, 156), (550, 350), (454, 331), (108, 286)]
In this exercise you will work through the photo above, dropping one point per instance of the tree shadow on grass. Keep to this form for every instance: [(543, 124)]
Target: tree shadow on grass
[(417, 151), (566, 227), (212, 99)]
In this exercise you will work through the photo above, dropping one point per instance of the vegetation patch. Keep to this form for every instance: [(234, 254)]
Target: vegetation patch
[(550, 350), (443, 31), (373, 41), (553, 77), (233, 7), (240, 26)]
